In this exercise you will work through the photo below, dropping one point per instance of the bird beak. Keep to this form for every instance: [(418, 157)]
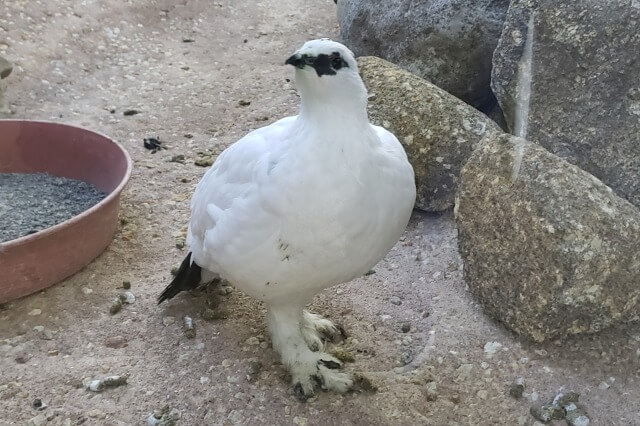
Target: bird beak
[(299, 61)]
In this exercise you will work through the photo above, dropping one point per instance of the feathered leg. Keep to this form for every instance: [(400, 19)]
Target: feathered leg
[(308, 369)]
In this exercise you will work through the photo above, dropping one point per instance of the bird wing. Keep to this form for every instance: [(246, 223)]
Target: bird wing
[(228, 209)]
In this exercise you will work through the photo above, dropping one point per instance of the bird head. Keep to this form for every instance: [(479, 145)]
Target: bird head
[(327, 71)]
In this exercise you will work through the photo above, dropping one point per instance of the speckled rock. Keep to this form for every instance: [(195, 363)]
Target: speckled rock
[(448, 42), (554, 252), (437, 130), (585, 100)]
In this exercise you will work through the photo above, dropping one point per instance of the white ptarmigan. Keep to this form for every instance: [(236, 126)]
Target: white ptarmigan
[(308, 202)]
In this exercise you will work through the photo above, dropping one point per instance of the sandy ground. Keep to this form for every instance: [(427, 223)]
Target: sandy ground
[(87, 62)]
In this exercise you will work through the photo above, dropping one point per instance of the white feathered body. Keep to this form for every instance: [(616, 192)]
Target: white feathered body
[(292, 208)]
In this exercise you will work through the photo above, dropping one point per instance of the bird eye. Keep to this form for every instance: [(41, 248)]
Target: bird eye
[(336, 63)]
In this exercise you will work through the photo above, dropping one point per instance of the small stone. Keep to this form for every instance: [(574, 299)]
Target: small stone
[(482, 394), (96, 414), (210, 418), (464, 371), (255, 367), (491, 348), (126, 285), (127, 297), (38, 420), (129, 112), (211, 314), (343, 354), (226, 363), (225, 290), (204, 161), (109, 382), (287, 410), (189, 327), (406, 358), (86, 290), (168, 320), (38, 404), (604, 386), (395, 300), (22, 358), (563, 399), (517, 388), (363, 383), (180, 158), (115, 307), (242, 102), (300, 421), (577, 418), (432, 391), (115, 342), (405, 327), (547, 412), (35, 312), (47, 334), (235, 417), (252, 341)]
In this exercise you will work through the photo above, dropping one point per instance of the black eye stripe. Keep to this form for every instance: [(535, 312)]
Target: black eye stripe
[(328, 64)]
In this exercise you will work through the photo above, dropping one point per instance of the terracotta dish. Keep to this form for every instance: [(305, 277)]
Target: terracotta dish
[(37, 261)]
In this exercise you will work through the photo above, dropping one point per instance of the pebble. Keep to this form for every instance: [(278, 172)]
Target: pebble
[(226, 363), (168, 320), (577, 418), (235, 417), (115, 342), (464, 371), (483, 394), (563, 399), (517, 388), (225, 290), (300, 421), (126, 285), (432, 391), (210, 418), (189, 327), (491, 348), (395, 300), (127, 297), (604, 386), (115, 307), (547, 412), (405, 327), (253, 341), (35, 312), (38, 404), (406, 358), (96, 414), (87, 290), (255, 367), (109, 382), (38, 420)]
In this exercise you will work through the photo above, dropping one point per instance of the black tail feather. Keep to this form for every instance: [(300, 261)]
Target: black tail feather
[(187, 278)]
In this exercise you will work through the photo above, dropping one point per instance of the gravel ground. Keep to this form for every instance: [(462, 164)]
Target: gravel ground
[(77, 62), (30, 202)]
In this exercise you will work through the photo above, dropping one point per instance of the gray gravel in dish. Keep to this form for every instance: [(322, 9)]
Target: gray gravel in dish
[(30, 202)]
